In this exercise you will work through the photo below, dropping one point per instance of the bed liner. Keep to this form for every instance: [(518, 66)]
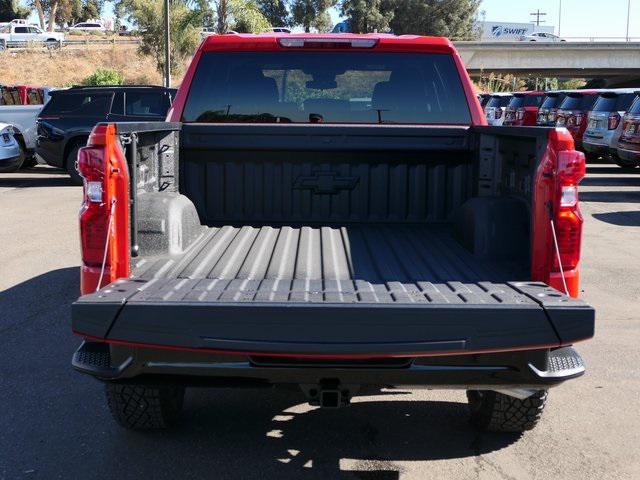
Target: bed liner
[(374, 289)]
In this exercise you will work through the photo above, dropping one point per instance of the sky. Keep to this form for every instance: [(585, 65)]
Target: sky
[(580, 18)]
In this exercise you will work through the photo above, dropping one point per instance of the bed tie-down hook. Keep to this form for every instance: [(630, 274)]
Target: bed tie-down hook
[(106, 243)]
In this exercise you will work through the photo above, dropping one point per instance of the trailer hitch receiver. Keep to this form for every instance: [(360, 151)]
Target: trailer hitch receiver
[(329, 394)]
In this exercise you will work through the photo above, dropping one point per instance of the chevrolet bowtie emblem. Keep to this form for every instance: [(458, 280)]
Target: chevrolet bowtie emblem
[(325, 182)]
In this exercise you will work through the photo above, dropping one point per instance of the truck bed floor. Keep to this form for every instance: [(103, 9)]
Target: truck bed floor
[(381, 263)]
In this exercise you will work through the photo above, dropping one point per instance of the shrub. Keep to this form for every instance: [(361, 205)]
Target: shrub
[(104, 76)]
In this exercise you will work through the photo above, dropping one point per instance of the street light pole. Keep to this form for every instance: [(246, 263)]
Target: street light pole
[(628, 17), (167, 57), (560, 19)]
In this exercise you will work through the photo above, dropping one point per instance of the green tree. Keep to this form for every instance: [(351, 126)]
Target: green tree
[(312, 14), (91, 9), (275, 11), (454, 19), (104, 76), (10, 9), (184, 30), (367, 16), (69, 12), (240, 16)]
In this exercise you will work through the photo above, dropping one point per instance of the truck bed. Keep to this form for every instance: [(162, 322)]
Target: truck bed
[(332, 240), (400, 264), (355, 290)]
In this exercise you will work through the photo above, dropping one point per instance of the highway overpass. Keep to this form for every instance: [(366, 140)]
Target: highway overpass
[(610, 60)]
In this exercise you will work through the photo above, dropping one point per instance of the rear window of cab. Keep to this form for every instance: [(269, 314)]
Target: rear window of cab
[(326, 87)]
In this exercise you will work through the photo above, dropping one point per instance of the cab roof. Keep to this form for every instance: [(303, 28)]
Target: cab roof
[(326, 41)]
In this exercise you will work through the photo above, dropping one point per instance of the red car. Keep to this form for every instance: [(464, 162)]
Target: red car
[(573, 112), (522, 110)]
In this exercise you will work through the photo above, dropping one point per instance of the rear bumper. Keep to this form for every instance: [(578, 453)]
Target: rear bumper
[(629, 153), (535, 369), (595, 145), (50, 152)]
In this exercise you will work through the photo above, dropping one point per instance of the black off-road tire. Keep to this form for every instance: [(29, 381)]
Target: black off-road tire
[(141, 407), (71, 164), (495, 412)]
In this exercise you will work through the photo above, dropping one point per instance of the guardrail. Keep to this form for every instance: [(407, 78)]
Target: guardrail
[(68, 42)]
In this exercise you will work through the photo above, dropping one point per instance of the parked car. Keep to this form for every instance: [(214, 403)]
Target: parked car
[(16, 35), (22, 119), (86, 27), (495, 108), (541, 37), (483, 98), (523, 109), (11, 153), (574, 110), (271, 234), (548, 111), (66, 121), (629, 141), (604, 123)]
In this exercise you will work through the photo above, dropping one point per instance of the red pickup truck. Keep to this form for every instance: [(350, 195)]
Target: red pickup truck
[(329, 212)]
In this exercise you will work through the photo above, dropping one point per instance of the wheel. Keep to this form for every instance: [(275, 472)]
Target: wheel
[(29, 162), (16, 164), (591, 157), (71, 165), (495, 412), (625, 163), (141, 407)]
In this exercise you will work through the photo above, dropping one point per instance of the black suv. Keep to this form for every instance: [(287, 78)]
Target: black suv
[(65, 122)]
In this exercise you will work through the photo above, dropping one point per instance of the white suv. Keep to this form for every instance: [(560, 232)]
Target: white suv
[(88, 27)]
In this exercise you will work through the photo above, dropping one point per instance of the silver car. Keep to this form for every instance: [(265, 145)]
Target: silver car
[(11, 155), (604, 125)]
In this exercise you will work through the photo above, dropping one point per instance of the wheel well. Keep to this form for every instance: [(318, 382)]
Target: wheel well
[(17, 134), (72, 143)]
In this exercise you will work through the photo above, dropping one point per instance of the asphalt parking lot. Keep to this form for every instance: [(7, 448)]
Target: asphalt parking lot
[(54, 422)]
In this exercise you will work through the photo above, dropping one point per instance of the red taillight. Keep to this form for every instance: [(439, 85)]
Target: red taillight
[(614, 120), (571, 169), (555, 208), (573, 119), (104, 214)]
